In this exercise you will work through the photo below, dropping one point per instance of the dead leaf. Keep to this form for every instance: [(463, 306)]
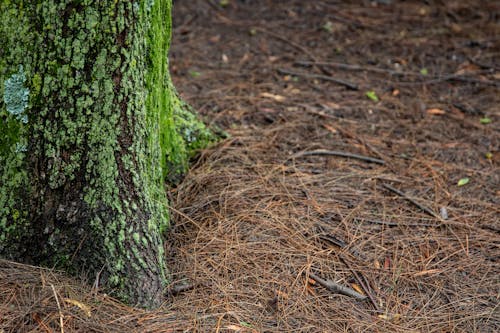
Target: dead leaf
[(402, 62), (309, 287), (85, 308), (245, 58), (456, 28), (435, 111), (387, 263), (214, 39), (331, 105), (277, 98), (330, 128), (357, 288), (451, 145), (467, 68), (282, 294), (273, 58), (423, 11), (427, 272), (310, 290), (235, 328), (390, 317)]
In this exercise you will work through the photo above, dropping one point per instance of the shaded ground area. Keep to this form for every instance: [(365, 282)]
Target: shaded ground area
[(276, 203)]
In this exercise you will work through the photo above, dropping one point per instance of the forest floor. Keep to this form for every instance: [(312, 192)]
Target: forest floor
[(362, 149)]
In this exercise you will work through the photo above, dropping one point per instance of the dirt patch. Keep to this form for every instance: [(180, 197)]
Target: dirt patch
[(410, 89)]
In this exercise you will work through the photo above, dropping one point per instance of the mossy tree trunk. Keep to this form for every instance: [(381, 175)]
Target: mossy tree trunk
[(90, 127)]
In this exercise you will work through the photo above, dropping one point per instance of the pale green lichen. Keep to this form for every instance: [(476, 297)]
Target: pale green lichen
[(15, 95)]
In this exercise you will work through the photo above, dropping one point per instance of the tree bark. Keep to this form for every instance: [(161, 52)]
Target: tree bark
[(93, 125)]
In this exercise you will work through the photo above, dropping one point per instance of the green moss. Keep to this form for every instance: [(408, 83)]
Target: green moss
[(180, 132), (13, 103), (137, 237)]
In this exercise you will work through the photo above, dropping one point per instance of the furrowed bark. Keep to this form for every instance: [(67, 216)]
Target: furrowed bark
[(89, 149)]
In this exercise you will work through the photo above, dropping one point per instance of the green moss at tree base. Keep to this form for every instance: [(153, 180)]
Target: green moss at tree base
[(181, 132)]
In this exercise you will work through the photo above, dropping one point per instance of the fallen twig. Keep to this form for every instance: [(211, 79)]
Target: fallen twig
[(413, 201), (287, 40), (395, 224), (337, 242), (319, 76), (430, 80), (61, 316), (358, 276), (339, 153), (353, 67), (467, 110), (362, 282), (337, 288), (451, 77), (180, 288)]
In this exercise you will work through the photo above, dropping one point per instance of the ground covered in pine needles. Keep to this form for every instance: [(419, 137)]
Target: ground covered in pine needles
[(361, 154)]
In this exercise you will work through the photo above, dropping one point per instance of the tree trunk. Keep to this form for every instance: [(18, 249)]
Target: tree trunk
[(92, 125)]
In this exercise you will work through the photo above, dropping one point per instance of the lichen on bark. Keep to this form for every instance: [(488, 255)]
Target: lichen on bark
[(105, 126)]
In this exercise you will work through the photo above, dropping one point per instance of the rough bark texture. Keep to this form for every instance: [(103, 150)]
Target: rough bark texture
[(92, 125)]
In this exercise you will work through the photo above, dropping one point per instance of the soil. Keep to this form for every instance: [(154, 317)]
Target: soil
[(361, 149)]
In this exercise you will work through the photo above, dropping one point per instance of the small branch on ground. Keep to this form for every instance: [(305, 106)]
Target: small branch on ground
[(337, 242), (180, 288), (340, 154), (337, 288), (394, 224), (363, 282), (451, 77), (320, 77), (61, 316), (288, 41), (432, 79), (413, 201), (353, 67)]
